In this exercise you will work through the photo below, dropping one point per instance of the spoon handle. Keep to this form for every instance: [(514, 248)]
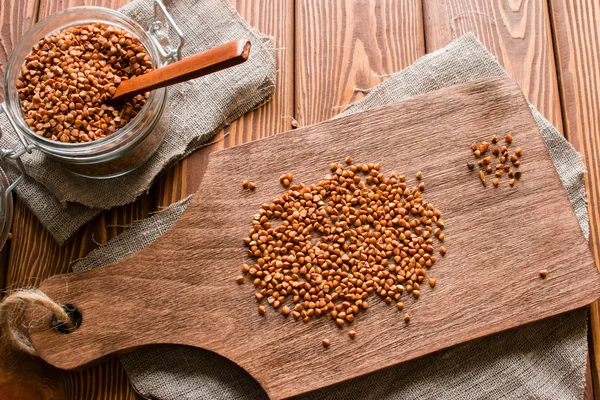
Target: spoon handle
[(213, 60)]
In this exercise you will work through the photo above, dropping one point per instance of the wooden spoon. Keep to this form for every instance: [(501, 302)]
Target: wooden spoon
[(213, 60)]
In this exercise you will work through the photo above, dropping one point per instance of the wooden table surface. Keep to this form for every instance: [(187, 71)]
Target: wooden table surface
[(329, 51)]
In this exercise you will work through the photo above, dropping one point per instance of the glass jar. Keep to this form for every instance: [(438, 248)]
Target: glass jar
[(132, 145)]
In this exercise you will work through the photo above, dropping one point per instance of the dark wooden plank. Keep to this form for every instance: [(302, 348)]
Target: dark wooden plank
[(4, 265), (516, 32), (22, 377), (186, 279), (588, 393), (274, 18), (35, 256), (343, 46), (16, 17), (30, 378), (576, 29), (594, 346), (48, 7)]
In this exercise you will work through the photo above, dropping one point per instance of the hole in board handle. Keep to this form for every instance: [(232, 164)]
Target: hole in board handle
[(75, 317)]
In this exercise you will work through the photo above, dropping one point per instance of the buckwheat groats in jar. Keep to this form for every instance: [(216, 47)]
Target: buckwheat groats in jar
[(66, 82)]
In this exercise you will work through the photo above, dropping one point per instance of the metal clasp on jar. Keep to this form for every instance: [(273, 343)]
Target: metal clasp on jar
[(13, 157), (158, 29)]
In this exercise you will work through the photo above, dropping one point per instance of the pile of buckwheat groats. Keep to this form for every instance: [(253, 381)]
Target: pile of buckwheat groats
[(324, 249), (504, 157)]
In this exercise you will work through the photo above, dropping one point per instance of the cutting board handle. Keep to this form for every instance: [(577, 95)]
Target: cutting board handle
[(96, 311), (113, 321)]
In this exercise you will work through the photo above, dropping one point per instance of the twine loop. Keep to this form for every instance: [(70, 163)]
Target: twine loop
[(12, 308)]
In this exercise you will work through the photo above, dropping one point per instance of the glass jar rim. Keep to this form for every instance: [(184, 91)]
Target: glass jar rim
[(124, 22)]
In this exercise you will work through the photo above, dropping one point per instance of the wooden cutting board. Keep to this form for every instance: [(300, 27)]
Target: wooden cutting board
[(182, 289)]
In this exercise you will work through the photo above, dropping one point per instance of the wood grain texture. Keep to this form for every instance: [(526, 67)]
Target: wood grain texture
[(588, 393), (185, 280), (35, 256), (16, 17), (576, 27), (4, 265), (275, 17), (517, 33), (343, 46), (271, 17), (33, 379), (48, 7)]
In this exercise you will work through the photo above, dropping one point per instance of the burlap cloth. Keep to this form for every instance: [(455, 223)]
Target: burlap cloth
[(199, 109), (543, 360)]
